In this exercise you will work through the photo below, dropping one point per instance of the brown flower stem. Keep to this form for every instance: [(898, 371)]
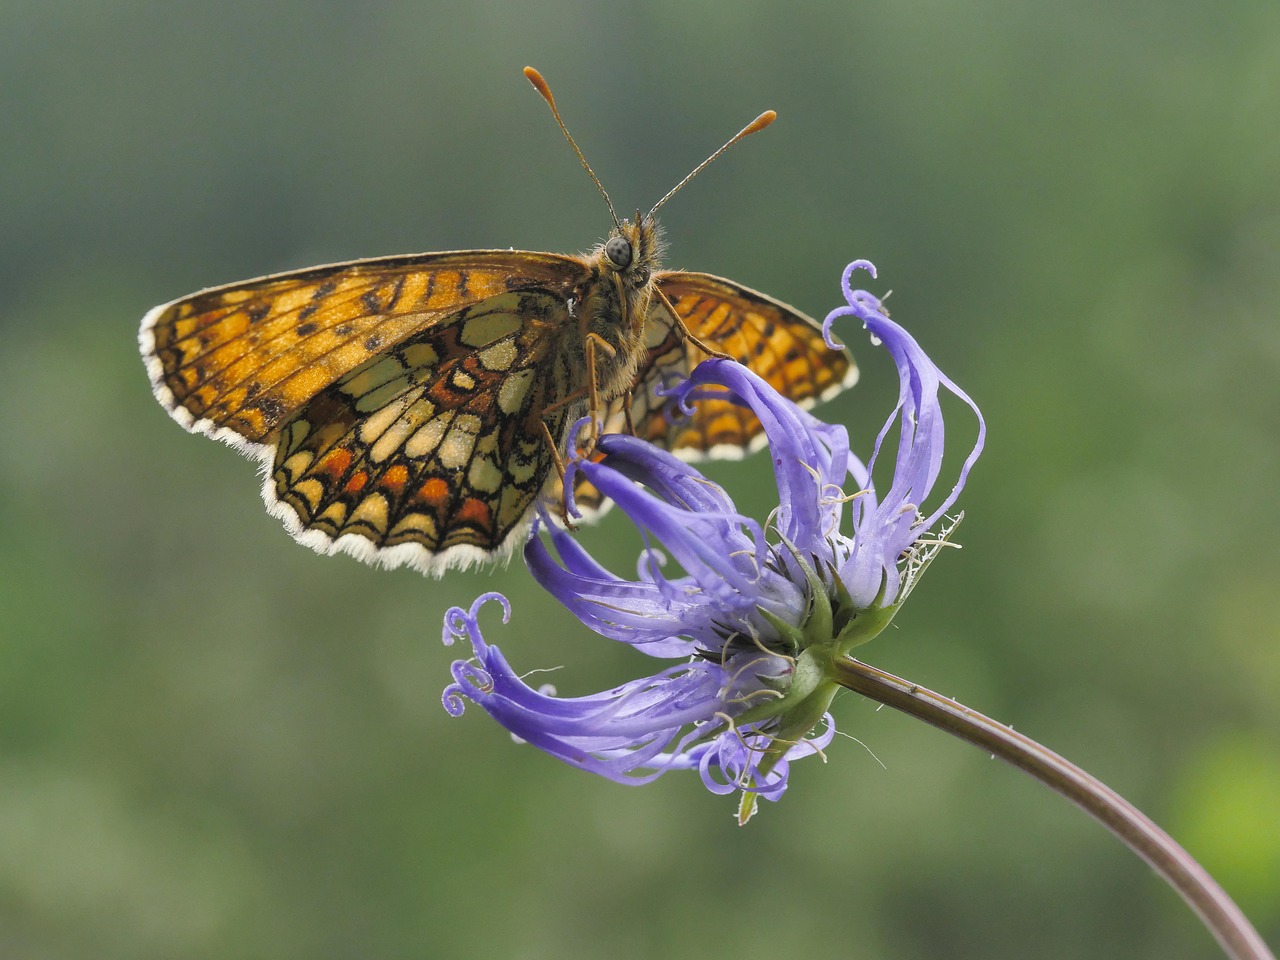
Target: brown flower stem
[(1201, 892)]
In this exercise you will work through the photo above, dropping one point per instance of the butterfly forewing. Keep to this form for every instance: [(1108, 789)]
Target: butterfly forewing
[(245, 358), (337, 378)]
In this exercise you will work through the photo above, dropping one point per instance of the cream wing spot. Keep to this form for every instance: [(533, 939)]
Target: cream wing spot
[(391, 440), (334, 515), (484, 475), (372, 510), (500, 356), (420, 412), (487, 444), (297, 464), (456, 447), (427, 437), (417, 523), (311, 490), (295, 433), (657, 329), (378, 421), (513, 390), (233, 297), (462, 381)]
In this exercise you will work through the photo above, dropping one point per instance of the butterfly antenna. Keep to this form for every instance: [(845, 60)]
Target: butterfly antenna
[(755, 126), (540, 85)]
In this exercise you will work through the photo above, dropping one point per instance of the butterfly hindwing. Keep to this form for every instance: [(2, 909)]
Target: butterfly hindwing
[(433, 452), (778, 342)]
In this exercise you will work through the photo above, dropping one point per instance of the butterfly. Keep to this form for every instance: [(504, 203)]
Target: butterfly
[(409, 410)]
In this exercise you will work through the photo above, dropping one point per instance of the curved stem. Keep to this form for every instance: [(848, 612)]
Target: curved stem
[(1201, 892)]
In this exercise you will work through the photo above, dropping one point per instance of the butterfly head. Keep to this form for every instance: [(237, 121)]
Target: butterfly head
[(632, 250)]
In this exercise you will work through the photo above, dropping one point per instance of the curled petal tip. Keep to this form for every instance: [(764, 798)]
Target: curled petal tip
[(849, 271), (860, 302), (571, 438), (455, 625), (454, 700), (827, 336), (846, 278), (484, 598)]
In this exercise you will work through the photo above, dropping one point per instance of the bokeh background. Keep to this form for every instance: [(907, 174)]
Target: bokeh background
[(215, 743)]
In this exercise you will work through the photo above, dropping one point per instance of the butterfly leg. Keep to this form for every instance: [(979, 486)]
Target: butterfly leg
[(594, 342), (555, 450), (688, 334), (626, 412), (559, 465)]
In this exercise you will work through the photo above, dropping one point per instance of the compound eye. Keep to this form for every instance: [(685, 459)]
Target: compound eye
[(618, 250)]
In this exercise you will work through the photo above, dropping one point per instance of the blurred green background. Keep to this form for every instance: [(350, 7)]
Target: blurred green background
[(215, 743)]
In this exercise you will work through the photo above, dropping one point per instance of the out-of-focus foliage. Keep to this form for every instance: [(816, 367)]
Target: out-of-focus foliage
[(215, 743)]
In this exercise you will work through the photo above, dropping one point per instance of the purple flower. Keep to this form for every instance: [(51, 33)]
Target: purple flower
[(756, 613), (634, 732)]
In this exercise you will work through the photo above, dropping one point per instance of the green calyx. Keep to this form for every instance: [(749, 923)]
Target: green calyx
[(831, 618), (830, 628)]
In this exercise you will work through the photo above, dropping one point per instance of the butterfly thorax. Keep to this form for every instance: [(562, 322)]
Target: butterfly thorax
[(613, 304)]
